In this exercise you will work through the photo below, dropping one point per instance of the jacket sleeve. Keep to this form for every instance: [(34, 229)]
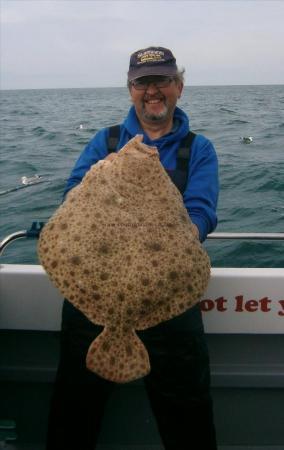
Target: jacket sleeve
[(95, 150), (201, 194)]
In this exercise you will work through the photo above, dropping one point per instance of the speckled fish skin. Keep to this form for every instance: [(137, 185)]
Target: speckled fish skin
[(121, 249)]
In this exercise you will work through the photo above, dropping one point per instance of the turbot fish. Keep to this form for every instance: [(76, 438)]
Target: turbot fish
[(122, 249)]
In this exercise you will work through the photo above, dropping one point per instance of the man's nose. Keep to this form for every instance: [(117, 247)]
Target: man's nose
[(151, 88)]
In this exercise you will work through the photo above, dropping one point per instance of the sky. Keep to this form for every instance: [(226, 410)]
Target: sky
[(77, 44)]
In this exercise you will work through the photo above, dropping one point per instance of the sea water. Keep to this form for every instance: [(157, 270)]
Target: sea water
[(44, 131)]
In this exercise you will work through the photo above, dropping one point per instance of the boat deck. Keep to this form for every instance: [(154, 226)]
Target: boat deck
[(135, 447), (247, 387)]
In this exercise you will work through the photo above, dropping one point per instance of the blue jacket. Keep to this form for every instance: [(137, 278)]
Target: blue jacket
[(201, 194)]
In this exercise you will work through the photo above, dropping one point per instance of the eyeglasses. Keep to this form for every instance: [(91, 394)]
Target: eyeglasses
[(144, 82)]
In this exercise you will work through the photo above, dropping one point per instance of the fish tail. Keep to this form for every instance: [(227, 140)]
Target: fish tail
[(118, 358)]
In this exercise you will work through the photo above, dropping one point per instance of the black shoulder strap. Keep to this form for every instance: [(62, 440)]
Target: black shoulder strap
[(184, 150), (183, 155), (113, 138)]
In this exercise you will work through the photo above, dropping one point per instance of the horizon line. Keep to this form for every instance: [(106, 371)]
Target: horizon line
[(120, 87)]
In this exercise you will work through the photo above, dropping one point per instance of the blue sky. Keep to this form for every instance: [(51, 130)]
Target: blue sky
[(63, 43)]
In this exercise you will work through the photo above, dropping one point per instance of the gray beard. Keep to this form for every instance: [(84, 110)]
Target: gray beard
[(155, 117)]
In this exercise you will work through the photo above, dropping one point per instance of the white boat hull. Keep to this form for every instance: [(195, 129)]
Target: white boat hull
[(237, 300)]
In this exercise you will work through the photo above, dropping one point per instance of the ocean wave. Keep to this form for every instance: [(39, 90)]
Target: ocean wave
[(25, 112), (273, 184), (236, 122), (227, 110), (38, 131), (51, 136)]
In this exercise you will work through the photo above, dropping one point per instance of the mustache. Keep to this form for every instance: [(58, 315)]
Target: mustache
[(153, 97)]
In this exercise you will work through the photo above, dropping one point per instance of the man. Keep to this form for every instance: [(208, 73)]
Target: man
[(179, 382)]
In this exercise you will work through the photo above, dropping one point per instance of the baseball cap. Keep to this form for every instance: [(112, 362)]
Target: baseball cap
[(152, 61)]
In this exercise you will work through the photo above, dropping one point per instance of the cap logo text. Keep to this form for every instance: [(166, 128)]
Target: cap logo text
[(150, 56)]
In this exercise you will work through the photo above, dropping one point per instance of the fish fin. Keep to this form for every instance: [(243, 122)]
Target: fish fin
[(118, 357)]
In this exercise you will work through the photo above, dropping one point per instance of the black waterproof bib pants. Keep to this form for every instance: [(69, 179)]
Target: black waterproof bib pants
[(178, 385)]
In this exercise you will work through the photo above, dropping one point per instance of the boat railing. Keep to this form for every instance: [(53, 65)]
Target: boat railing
[(36, 228), (32, 233), (247, 236)]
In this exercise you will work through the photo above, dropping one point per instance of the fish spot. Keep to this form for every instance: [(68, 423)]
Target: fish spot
[(173, 275), (145, 281), (161, 302), (54, 264), (104, 249), (146, 302), (111, 200), (105, 347), (75, 260), (96, 296), (175, 290), (189, 288), (126, 327), (104, 276), (170, 225), (128, 349), (183, 218), (120, 296), (63, 226), (154, 246)]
